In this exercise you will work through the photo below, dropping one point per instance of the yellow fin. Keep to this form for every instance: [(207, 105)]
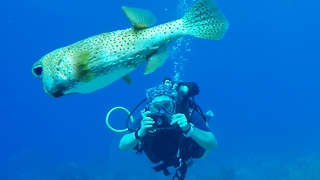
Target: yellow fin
[(157, 60), (140, 18), (127, 79), (82, 70)]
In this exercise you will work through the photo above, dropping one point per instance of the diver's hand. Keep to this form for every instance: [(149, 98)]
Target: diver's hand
[(209, 114), (146, 123), (181, 120)]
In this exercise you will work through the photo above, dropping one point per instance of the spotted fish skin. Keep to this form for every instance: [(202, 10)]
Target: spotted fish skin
[(97, 61)]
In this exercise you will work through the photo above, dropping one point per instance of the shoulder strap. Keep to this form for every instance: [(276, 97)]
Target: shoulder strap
[(194, 107)]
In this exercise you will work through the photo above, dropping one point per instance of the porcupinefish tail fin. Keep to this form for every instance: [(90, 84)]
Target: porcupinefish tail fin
[(140, 18), (205, 20), (82, 70)]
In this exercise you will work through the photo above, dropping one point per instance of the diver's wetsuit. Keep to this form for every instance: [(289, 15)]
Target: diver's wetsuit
[(162, 146)]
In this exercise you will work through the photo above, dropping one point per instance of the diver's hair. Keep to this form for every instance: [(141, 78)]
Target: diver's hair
[(161, 89)]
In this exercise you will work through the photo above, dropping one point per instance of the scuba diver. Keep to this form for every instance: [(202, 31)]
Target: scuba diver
[(172, 130)]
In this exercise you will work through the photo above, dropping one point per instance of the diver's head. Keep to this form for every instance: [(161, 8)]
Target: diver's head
[(162, 108), (161, 102)]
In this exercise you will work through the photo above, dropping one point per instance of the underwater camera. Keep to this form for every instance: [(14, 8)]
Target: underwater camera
[(161, 121)]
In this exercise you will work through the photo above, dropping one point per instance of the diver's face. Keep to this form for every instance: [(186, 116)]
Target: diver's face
[(162, 104)]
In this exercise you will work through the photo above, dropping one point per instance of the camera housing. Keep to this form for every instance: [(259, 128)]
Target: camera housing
[(161, 121)]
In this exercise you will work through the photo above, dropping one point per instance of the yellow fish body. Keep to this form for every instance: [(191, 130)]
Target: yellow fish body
[(97, 61)]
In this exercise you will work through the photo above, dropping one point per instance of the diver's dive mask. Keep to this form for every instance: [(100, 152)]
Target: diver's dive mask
[(161, 107)]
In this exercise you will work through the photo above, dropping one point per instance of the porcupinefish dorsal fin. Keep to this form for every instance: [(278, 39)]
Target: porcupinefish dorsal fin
[(140, 18), (157, 60), (80, 63), (127, 79)]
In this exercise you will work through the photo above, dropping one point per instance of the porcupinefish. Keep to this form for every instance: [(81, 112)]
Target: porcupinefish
[(97, 61)]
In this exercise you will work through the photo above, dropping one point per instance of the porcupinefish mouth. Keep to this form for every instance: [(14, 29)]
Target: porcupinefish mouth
[(56, 91)]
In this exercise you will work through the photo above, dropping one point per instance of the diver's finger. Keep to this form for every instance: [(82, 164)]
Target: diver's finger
[(174, 120), (145, 113), (148, 126), (146, 122), (178, 115), (147, 119), (149, 122)]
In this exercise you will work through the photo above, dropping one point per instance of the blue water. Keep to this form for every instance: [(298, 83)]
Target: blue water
[(262, 82)]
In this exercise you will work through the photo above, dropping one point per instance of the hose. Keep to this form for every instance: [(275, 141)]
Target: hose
[(107, 119)]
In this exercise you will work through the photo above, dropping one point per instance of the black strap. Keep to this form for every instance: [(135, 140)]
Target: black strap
[(136, 134), (164, 166), (181, 172)]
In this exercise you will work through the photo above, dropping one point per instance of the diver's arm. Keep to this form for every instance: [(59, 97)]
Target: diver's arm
[(128, 142), (204, 138)]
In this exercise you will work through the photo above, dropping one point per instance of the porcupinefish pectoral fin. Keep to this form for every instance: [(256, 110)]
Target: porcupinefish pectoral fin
[(80, 64), (127, 79), (140, 18), (157, 60)]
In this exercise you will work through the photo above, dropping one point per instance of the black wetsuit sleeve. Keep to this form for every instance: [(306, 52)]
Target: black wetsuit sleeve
[(198, 121)]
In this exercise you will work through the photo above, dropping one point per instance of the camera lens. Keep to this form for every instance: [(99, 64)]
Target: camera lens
[(159, 121)]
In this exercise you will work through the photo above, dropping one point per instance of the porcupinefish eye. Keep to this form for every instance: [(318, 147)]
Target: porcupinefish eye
[(37, 71)]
